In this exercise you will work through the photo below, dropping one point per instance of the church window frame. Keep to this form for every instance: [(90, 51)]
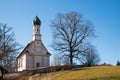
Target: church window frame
[(37, 30)]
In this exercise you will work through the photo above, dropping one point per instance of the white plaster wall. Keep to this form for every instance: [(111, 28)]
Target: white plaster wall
[(31, 49), (36, 32), (35, 56), (37, 37), (29, 63), (36, 29), (38, 59), (43, 51), (38, 47), (45, 61), (23, 67), (48, 61)]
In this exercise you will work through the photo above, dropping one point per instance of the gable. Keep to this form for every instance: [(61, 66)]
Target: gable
[(30, 48), (44, 49), (25, 49)]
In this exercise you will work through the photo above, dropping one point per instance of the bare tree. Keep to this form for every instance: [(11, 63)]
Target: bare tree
[(91, 56), (118, 63), (8, 47), (71, 32), (58, 60)]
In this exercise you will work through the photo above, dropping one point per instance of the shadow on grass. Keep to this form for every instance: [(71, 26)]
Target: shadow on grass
[(77, 69)]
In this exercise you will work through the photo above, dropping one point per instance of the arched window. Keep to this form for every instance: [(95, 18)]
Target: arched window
[(37, 29)]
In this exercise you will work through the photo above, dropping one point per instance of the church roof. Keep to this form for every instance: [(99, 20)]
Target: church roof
[(48, 53), (25, 49), (36, 21)]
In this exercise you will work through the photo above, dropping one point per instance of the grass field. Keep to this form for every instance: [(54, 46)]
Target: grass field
[(92, 73), (86, 73)]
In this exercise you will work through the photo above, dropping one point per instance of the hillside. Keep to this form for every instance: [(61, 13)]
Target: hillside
[(87, 73)]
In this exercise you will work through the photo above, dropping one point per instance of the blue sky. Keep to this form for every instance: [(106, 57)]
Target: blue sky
[(105, 15)]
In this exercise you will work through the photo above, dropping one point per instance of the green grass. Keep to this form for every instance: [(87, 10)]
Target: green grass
[(91, 73), (86, 73)]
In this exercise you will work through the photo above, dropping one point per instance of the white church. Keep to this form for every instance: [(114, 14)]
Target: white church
[(34, 55)]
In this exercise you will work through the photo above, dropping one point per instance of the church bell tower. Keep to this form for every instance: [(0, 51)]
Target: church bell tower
[(36, 29)]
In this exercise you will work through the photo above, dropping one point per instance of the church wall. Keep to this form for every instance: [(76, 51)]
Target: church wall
[(31, 49), (37, 37), (38, 47), (38, 59), (45, 61), (29, 62), (42, 60), (43, 51), (48, 61), (22, 63)]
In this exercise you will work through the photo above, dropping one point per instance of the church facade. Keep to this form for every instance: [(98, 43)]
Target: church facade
[(34, 55)]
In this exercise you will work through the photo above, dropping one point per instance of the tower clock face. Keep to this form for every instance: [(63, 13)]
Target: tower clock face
[(37, 43)]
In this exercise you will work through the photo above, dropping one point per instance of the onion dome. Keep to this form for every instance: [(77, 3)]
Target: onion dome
[(36, 21)]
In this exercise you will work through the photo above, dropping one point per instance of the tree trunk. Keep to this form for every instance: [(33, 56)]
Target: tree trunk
[(71, 58), (71, 61)]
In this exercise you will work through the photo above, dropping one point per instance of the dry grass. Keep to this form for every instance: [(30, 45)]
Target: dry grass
[(92, 73), (87, 73)]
